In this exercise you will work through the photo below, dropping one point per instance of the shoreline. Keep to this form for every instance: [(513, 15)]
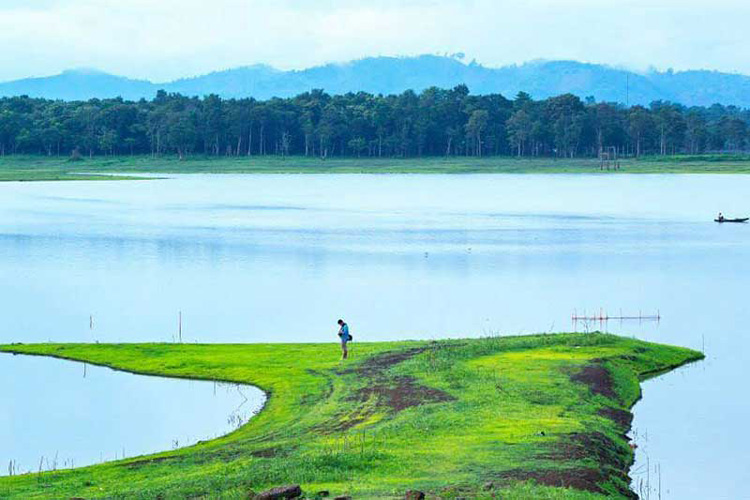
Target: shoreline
[(33, 168), (527, 414)]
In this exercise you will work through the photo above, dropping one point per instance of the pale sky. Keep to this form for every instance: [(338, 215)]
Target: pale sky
[(167, 39)]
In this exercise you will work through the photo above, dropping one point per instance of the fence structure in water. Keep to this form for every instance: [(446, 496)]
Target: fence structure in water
[(602, 318)]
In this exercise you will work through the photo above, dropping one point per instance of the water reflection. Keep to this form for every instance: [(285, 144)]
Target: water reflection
[(58, 414)]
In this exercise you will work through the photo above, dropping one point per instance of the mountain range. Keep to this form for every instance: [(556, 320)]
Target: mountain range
[(388, 75)]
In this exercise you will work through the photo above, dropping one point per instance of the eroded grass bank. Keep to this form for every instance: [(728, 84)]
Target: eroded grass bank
[(539, 416)]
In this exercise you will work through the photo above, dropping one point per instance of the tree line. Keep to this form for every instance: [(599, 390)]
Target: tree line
[(435, 122)]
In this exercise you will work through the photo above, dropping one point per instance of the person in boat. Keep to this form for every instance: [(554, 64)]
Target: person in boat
[(721, 217), (345, 338)]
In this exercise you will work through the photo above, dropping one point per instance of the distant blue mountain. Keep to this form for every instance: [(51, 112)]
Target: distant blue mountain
[(387, 75), (80, 84)]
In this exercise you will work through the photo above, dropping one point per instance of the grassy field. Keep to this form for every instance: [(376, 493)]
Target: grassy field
[(37, 168), (539, 416)]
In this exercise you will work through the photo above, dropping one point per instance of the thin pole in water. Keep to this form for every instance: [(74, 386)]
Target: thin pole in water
[(659, 481)]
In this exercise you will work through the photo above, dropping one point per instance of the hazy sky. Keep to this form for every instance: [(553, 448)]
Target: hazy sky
[(166, 39)]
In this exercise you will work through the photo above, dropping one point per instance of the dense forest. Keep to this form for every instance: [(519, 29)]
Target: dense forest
[(435, 122)]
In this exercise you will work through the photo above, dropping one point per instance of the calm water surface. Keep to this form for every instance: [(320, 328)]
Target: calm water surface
[(58, 414), (280, 258)]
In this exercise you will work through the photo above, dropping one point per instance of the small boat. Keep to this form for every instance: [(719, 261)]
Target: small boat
[(721, 221)]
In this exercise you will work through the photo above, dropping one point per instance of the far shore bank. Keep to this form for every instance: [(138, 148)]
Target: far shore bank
[(43, 168)]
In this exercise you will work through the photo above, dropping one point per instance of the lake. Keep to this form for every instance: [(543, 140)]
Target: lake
[(265, 258), (60, 414)]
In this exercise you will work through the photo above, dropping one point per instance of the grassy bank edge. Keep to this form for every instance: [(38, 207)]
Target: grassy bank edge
[(521, 488)]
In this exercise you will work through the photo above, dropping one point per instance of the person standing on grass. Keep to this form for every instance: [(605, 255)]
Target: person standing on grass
[(345, 337)]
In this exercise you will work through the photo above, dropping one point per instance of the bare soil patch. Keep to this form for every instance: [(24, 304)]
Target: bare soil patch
[(598, 379), (376, 366), (596, 446), (622, 418), (581, 478), (394, 393), (400, 393)]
